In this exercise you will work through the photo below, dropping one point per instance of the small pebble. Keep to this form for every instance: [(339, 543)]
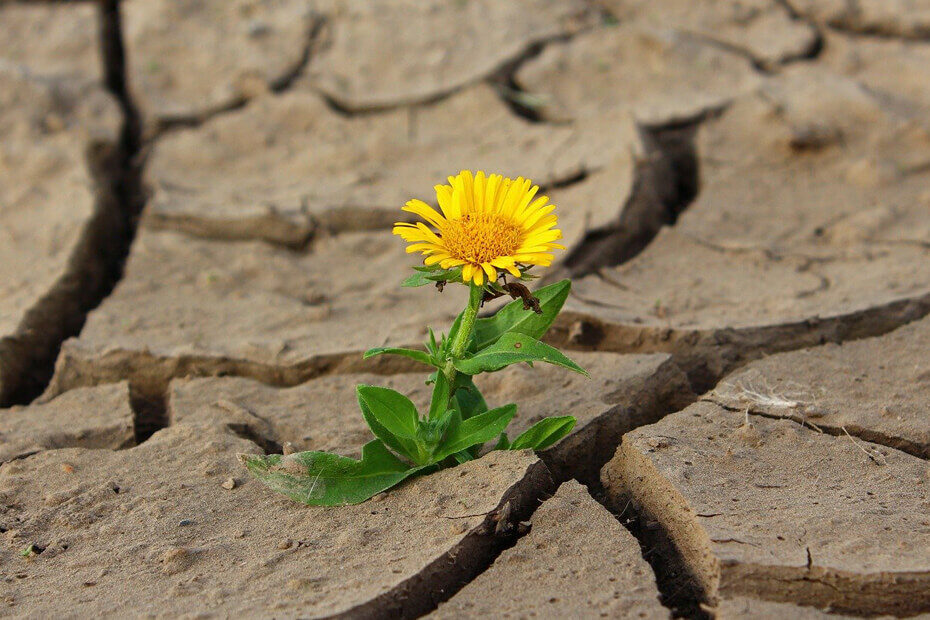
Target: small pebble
[(229, 484), (285, 544), (184, 522), (67, 468)]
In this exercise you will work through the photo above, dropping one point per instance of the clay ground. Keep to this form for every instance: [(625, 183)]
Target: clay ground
[(195, 202)]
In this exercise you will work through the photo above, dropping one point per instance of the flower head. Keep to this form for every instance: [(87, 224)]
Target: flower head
[(488, 223)]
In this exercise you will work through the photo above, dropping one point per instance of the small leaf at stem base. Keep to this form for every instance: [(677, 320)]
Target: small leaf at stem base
[(323, 479)]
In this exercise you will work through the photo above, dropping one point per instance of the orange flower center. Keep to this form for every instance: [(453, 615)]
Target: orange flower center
[(481, 237)]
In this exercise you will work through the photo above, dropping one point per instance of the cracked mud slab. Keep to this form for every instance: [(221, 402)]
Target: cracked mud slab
[(624, 391), (53, 130), (778, 511), (809, 225), (188, 60), (576, 557), (877, 389), (889, 18), (153, 531), (661, 76), (98, 417), (764, 30), (189, 306), (287, 167), (385, 53)]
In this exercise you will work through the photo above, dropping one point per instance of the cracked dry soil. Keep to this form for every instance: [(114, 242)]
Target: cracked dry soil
[(193, 204)]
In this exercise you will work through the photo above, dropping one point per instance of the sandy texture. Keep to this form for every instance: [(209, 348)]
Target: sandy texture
[(98, 417), (382, 53), (811, 214), (51, 40), (286, 167), (601, 70), (152, 531), (762, 29), (876, 389), (575, 557), (778, 511), (624, 392), (191, 59)]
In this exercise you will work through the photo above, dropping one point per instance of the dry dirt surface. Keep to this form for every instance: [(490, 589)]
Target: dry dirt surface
[(195, 203)]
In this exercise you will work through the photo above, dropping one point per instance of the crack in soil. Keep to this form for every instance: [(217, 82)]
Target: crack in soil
[(706, 355), (845, 24), (666, 182), (582, 455), (96, 263), (279, 85), (679, 589), (150, 375), (900, 444), (444, 577)]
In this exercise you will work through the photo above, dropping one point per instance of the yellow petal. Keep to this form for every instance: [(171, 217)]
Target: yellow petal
[(536, 258), (490, 193), (468, 191), (480, 188), (544, 236), (429, 235), (425, 211), (525, 200), (488, 269), (531, 220), (444, 197), (435, 258)]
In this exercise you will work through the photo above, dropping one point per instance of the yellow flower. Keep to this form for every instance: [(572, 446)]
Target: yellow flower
[(487, 223)]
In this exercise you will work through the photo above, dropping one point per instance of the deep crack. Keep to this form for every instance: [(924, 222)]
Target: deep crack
[(96, 264), (666, 182), (679, 589)]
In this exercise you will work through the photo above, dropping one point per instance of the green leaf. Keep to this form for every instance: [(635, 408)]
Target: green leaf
[(425, 275), (392, 418), (544, 433), (417, 279), (502, 442), (456, 326), (463, 457), (476, 431), (468, 397), (513, 348), (439, 403), (323, 479), (513, 318), (420, 356)]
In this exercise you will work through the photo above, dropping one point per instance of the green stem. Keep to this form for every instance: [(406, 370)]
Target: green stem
[(476, 293), (457, 351)]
